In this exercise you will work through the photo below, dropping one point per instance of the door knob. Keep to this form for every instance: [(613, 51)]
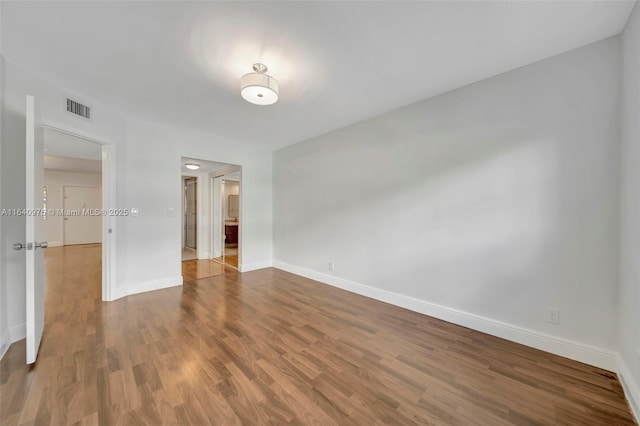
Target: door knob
[(18, 246), (43, 245)]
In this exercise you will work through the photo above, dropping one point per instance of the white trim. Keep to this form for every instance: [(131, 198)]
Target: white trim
[(254, 266), (630, 386), (55, 244), (120, 292), (218, 174), (154, 285), (18, 332), (108, 185), (117, 293), (557, 345), (230, 169), (5, 342), (204, 255)]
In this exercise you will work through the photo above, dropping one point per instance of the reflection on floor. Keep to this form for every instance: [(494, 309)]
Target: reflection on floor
[(230, 255), (196, 269), (229, 260), (189, 253), (269, 347)]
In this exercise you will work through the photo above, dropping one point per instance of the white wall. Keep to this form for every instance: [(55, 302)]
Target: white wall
[(107, 125), (55, 181), (630, 229), (148, 162), (508, 204), (153, 168)]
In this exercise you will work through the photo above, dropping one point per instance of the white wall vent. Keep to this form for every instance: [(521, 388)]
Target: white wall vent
[(78, 109)]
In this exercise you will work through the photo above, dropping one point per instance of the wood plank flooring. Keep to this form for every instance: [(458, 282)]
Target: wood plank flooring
[(197, 269), (268, 347), (229, 260)]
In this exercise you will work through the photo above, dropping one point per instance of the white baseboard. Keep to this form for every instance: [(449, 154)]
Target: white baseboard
[(5, 342), (555, 345), (154, 285), (18, 332), (55, 244), (246, 267), (631, 387), (120, 292), (12, 335), (117, 293)]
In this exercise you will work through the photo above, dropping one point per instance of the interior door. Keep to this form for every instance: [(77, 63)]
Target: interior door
[(82, 221), (35, 273)]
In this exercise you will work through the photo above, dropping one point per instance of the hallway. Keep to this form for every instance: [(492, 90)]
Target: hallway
[(271, 347)]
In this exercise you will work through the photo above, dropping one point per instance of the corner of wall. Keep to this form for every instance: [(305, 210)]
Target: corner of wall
[(246, 267), (117, 293), (631, 387), (5, 342), (154, 285), (18, 332)]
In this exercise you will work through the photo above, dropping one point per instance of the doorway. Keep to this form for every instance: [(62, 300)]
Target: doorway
[(190, 218), (78, 190), (227, 202), (205, 209)]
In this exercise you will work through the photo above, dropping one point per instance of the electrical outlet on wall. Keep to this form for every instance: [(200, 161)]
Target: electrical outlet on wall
[(553, 315), (330, 266)]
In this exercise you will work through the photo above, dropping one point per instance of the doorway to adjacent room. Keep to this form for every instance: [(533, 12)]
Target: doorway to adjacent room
[(211, 218)]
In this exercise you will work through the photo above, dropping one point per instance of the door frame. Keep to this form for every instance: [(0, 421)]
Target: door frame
[(212, 176), (108, 205), (195, 180)]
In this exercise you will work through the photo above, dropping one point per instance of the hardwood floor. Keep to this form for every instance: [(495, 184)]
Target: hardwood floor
[(229, 260), (268, 347), (197, 269)]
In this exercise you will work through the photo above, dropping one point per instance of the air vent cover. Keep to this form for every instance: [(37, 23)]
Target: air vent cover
[(76, 108)]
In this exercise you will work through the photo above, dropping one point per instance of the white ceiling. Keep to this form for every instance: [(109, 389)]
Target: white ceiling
[(66, 145), (205, 166), (68, 164), (337, 62)]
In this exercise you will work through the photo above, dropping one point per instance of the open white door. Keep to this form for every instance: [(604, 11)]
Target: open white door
[(35, 276)]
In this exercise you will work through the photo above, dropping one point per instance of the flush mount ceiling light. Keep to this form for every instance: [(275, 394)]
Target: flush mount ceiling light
[(258, 87), (192, 166)]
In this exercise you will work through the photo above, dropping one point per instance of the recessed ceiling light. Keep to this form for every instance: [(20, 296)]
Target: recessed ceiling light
[(258, 87), (192, 166)]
